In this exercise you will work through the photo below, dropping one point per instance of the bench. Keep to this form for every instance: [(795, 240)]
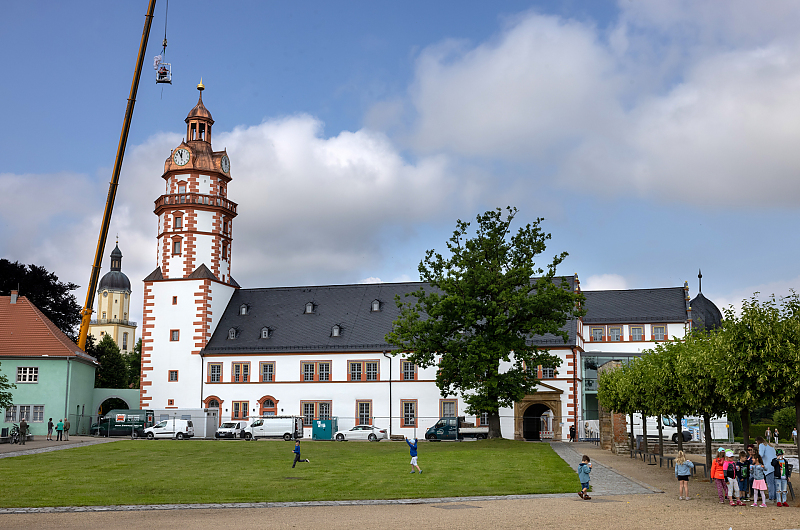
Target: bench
[(670, 461), (699, 464)]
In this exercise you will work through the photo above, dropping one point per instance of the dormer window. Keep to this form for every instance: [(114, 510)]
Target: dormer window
[(309, 307), (265, 333), (243, 309), (335, 331), (376, 305), (232, 333)]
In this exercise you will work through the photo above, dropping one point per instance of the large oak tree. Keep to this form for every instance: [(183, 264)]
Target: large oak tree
[(485, 302)]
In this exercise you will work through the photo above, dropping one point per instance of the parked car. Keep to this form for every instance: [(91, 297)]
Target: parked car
[(231, 429), (362, 432), (172, 428)]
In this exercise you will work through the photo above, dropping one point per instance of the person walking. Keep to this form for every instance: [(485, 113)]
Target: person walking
[(23, 430), (584, 470), (571, 433), (60, 430), (768, 434), (775, 434), (767, 453), (296, 452), (50, 429), (683, 468), (413, 451), (794, 435), (66, 429)]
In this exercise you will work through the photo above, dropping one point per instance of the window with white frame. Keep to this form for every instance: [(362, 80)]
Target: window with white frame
[(215, 373), (335, 331), (614, 334), (548, 372), (324, 410), (25, 412), (324, 371), (241, 372), (409, 371), (659, 332), (597, 334), (637, 333), (243, 309), (448, 408), (38, 413), (265, 333), (376, 306), (409, 408), (232, 333), (267, 372), (27, 374), (364, 412), (11, 414)]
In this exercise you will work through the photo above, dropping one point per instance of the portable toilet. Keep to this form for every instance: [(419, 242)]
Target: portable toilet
[(324, 429)]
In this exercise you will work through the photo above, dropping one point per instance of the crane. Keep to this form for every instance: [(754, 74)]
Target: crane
[(86, 313)]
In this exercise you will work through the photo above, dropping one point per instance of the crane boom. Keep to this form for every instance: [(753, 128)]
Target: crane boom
[(86, 313)]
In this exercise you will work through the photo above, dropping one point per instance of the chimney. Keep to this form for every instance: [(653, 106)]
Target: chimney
[(14, 297)]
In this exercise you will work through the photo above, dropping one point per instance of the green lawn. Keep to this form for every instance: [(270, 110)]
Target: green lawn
[(197, 471)]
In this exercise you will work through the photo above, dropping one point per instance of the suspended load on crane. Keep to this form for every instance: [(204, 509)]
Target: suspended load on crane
[(163, 69)]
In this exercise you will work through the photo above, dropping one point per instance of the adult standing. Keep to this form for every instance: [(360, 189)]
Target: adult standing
[(66, 429), (775, 434), (768, 435), (571, 433), (794, 435), (60, 430), (23, 430), (767, 453), (50, 429)]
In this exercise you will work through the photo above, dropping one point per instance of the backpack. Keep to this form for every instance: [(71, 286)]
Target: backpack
[(731, 471)]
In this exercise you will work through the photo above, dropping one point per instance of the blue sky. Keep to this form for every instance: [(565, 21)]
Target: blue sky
[(655, 138)]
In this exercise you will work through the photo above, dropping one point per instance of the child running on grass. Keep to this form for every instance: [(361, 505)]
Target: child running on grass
[(759, 481), (413, 451), (683, 468), (297, 454), (584, 468)]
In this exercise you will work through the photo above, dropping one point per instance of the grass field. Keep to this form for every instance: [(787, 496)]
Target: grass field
[(198, 471)]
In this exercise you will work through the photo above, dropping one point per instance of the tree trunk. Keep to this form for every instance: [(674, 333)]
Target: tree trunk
[(660, 437), (494, 425), (633, 438), (679, 417), (644, 432), (707, 428), (745, 415)]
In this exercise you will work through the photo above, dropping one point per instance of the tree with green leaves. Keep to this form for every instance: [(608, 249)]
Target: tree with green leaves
[(6, 397), (113, 371), (43, 289), (783, 376), (697, 377), (614, 394), (485, 302), (746, 348), (133, 361)]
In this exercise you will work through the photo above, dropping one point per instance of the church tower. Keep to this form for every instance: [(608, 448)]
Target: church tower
[(186, 294), (113, 307)]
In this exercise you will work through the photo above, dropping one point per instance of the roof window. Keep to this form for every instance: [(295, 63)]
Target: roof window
[(376, 305), (232, 333), (266, 332), (336, 331), (243, 309), (309, 307)]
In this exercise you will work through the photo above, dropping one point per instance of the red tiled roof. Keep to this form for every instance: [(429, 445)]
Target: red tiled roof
[(26, 332)]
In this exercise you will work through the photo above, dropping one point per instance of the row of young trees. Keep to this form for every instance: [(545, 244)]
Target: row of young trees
[(751, 361)]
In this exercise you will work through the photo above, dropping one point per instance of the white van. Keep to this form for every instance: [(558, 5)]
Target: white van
[(286, 427), (231, 429), (171, 428)]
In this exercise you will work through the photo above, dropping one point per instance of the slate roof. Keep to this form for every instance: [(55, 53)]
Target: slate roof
[(636, 306), (26, 332), (705, 313), (282, 309)]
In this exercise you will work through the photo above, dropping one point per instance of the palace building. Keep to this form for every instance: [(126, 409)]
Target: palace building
[(319, 351)]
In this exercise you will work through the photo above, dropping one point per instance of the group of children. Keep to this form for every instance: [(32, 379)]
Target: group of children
[(412, 450), (746, 474)]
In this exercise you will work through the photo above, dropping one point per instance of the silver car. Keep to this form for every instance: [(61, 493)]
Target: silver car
[(362, 432)]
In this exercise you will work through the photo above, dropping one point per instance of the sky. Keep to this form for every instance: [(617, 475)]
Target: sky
[(654, 138)]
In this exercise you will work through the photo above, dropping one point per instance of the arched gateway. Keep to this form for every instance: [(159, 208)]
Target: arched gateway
[(538, 416)]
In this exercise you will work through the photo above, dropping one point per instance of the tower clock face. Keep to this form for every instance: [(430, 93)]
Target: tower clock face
[(181, 157), (225, 163)]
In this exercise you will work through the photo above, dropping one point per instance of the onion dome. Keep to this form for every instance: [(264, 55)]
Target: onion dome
[(115, 279), (705, 314)]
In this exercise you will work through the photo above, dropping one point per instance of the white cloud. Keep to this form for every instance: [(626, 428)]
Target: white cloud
[(664, 104), (603, 282)]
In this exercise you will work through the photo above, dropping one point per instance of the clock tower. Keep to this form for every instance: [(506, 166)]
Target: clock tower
[(186, 294)]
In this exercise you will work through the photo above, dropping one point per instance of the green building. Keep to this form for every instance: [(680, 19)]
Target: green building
[(54, 378)]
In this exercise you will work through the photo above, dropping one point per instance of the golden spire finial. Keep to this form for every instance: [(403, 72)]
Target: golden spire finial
[(201, 86)]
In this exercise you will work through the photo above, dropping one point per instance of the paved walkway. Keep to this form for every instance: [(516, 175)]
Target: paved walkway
[(41, 445), (604, 481)]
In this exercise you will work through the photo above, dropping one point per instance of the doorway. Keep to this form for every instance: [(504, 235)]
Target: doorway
[(533, 423)]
